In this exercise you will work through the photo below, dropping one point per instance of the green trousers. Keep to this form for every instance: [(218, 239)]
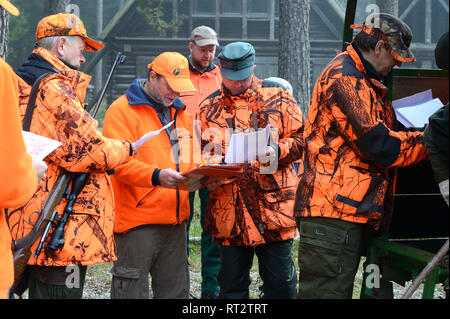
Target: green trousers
[(328, 257), (56, 282), (210, 253)]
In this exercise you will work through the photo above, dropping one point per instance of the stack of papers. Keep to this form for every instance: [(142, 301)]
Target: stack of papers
[(245, 147), (414, 110)]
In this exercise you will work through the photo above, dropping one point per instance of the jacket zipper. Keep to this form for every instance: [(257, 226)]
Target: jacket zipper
[(178, 166), (178, 161)]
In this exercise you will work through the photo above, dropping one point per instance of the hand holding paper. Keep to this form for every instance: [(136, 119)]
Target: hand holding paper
[(148, 136), (246, 147), (40, 167), (414, 110)]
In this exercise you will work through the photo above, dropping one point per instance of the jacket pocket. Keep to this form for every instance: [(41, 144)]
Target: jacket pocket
[(146, 197), (321, 245), (283, 178), (362, 193), (277, 209), (221, 213)]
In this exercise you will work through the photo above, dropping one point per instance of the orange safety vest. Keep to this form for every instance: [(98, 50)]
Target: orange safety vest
[(18, 179), (60, 115), (352, 147), (205, 83), (252, 208), (138, 200)]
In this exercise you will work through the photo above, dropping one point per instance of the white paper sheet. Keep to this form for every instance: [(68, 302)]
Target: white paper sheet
[(418, 115), (149, 136), (39, 146), (245, 147), (414, 110)]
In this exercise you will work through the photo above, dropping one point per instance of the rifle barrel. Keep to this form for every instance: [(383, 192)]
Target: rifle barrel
[(120, 59)]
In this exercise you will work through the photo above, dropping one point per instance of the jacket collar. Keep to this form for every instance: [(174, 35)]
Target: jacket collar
[(361, 68), (33, 68), (78, 80), (136, 96), (211, 67), (247, 96)]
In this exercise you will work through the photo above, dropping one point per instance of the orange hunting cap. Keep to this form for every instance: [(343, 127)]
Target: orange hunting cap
[(175, 69), (9, 7), (65, 24)]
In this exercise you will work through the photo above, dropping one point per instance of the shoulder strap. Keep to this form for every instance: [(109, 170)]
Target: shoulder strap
[(32, 102)]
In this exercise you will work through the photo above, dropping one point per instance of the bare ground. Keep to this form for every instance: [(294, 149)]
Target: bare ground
[(98, 280)]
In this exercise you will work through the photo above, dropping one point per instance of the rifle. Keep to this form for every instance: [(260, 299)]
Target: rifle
[(48, 215)]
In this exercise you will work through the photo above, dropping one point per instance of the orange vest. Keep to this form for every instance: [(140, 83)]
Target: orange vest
[(138, 201), (352, 147), (59, 115), (18, 179), (253, 208), (205, 83)]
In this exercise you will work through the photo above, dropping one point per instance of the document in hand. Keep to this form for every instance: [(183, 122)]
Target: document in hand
[(245, 147), (39, 146), (414, 110), (199, 175), (149, 136)]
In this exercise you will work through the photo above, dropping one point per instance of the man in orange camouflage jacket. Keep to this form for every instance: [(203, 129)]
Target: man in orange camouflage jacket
[(253, 211), (352, 147), (60, 115)]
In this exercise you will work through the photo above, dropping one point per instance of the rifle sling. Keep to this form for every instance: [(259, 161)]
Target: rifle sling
[(31, 105)]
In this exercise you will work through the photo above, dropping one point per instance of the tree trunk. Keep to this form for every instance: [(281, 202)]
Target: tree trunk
[(388, 6), (56, 6), (98, 68), (4, 28), (294, 54)]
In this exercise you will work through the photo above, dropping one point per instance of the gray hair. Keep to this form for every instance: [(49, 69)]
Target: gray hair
[(49, 42)]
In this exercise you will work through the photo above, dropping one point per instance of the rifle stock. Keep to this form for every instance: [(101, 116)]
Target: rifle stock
[(22, 246)]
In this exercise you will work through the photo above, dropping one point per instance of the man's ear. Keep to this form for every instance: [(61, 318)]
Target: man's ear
[(378, 47), (59, 46), (152, 75), (191, 45)]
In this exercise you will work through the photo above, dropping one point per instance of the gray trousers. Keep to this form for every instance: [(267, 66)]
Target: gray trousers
[(158, 250)]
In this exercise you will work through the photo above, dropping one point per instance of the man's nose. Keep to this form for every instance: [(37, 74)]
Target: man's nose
[(82, 59)]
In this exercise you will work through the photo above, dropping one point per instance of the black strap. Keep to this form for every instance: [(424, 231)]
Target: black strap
[(230, 122), (255, 122), (32, 102)]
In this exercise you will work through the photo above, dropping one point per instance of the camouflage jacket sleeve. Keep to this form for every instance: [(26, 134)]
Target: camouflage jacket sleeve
[(62, 118), (362, 121), (208, 141), (290, 143)]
